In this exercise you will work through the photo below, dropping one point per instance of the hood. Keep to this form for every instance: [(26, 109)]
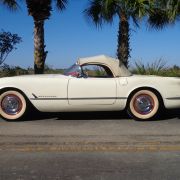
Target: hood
[(34, 76), (28, 79)]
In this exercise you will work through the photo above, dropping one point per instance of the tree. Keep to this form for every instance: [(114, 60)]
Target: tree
[(8, 43), (40, 10), (11, 4), (164, 12), (104, 11)]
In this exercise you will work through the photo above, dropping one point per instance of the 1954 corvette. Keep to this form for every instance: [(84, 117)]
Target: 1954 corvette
[(97, 83)]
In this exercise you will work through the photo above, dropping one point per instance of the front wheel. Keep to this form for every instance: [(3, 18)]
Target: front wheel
[(12, 105), (143, 105)]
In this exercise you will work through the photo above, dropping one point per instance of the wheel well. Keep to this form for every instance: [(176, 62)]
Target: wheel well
[(12, 89), (18, 90), (157, 93), (15, 89)]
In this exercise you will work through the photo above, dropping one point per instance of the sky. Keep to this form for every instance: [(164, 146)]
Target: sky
[(69, 35)]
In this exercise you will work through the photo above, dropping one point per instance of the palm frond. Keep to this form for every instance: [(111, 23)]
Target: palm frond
[(61, 4), (11, 4), (94, 12), (158, 19), (163, 13), (100, 11)]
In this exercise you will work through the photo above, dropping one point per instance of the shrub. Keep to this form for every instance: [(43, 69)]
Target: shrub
[(158, 68), (6, 71)]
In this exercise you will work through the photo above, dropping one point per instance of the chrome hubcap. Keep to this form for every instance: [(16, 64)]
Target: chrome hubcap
[(144, 104), (11, 104)]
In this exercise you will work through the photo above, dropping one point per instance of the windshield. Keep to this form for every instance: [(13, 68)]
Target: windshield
[(74, 70)]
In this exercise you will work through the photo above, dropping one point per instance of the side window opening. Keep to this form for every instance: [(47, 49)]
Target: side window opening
[(97, 71)]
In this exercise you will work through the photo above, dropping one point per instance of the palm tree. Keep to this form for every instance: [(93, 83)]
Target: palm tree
[(104, 11), (40, 10), (11, 4), (164, 12)]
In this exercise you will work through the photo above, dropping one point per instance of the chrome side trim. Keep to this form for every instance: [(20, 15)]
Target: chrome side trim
[(173, 98), (34, 96), (93, 98)]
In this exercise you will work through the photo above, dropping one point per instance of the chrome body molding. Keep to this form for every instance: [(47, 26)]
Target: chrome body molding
[(173, 98), (84, 98)]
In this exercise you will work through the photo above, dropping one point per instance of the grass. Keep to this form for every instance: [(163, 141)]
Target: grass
[(158, 68)]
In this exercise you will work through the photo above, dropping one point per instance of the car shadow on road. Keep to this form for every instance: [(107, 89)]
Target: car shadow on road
[(166, 115), (77, 116), (170, 114)]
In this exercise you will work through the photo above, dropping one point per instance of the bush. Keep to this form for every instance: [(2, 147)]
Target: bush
[(158, 68), (6, 71)]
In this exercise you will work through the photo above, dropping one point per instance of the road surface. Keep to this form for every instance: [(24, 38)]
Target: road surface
[(85, 146)]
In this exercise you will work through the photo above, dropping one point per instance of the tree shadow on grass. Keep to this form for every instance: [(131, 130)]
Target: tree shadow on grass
[(122, 115)]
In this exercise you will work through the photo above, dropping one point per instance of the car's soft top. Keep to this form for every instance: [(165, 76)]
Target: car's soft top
[(118, 68)]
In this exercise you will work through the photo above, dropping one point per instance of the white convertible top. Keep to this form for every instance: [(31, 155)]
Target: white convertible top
[(118, 68)]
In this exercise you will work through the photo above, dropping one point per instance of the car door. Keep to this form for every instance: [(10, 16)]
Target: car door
[(96, 89)]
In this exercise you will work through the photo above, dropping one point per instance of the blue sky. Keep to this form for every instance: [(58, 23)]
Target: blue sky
[(69, 35)]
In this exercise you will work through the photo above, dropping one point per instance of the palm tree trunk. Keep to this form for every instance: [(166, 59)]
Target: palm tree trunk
[(123, 50), (39, 53)]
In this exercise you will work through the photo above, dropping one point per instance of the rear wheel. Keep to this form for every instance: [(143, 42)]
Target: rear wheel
[(143, 105), (12, 105)]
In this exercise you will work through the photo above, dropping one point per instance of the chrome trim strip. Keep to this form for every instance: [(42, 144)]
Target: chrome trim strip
[(94, 98), (173, 98), (34, 96), (48, 99)]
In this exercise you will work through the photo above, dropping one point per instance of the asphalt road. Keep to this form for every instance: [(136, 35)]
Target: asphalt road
[(90, 166), (90, 146)]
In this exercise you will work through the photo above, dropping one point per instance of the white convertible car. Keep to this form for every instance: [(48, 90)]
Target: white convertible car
[(97, 83)]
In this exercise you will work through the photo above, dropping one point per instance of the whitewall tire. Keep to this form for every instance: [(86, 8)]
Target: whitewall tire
[(12, 105), (143, 105)]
